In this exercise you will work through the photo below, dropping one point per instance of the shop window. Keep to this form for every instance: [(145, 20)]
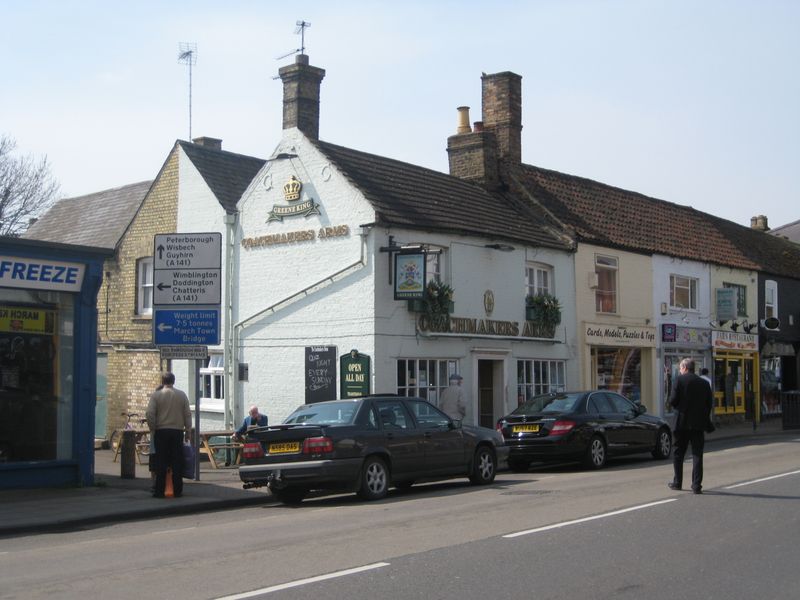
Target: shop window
[(433, 265), (605, 268), (538, 280), (536, 377), (212, 382), (424, 378), (144, 286), (683, 292), (770, 299), (36, 376), (741, 297), (618, 370)]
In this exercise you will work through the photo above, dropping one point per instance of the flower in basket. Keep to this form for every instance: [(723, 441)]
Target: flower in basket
[(439, 296), (544, 309)]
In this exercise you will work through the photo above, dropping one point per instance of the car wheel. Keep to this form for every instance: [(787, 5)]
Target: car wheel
[(484, 466), (663, 444), (596, 453), (517, 465), (289, 495), (374, 479)]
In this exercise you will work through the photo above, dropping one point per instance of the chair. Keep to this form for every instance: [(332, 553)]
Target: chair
[(388, 418)]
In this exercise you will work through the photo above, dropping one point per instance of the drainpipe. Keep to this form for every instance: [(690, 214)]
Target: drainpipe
[(228, 347), (324, 282)]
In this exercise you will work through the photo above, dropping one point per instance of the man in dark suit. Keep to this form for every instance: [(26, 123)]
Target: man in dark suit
[(691, 397)]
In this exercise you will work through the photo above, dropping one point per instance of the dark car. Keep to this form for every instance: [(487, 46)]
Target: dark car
[(585, 426), (366, 445)]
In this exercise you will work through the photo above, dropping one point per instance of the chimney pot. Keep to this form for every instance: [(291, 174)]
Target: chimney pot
[(477, 126), (463, 120), (759, 222)]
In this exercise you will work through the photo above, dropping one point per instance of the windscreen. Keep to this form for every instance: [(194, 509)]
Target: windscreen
[(327, 413), (550, 403)]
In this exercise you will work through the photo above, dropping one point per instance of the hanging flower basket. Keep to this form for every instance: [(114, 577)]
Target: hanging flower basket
[(544, 312), (438, 300)]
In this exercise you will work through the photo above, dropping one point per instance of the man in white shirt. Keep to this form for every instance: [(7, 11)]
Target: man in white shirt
[(452, 401)]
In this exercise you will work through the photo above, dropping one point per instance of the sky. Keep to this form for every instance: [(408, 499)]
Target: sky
[(693, 102)]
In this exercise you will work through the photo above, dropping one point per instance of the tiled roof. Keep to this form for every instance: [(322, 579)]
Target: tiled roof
[(600, 214), (99, 219), (227, 174), (410, 196)]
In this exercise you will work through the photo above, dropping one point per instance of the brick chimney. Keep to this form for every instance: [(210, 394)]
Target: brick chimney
[(473, 154), (502, 112), (208, 142), (301, 83), (759, 222)]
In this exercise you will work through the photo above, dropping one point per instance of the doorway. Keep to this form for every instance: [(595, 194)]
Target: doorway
[(490, 392)]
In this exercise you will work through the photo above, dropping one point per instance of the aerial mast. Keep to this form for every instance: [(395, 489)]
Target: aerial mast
[(187, 54)]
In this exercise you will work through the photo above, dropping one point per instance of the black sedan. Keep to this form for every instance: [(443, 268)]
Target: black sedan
[(586, 426), (366, 445)]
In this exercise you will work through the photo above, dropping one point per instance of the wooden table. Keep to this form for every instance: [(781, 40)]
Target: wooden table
[(209, 446)]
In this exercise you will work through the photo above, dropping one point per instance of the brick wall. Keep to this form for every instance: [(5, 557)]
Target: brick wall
[(502, 112), (134, 364)]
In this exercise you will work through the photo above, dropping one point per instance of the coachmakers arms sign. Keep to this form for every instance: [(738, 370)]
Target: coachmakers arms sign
[(471, 327)]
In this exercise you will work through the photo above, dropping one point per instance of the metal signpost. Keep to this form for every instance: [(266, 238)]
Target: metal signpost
[(187, 292)]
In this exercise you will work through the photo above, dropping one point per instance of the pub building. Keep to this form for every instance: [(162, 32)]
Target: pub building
[(48, 335)]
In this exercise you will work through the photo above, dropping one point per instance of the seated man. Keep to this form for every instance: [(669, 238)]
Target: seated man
[(253, 419)]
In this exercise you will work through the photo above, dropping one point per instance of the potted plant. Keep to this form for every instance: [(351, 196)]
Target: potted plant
[(545, 312), (438, 300)]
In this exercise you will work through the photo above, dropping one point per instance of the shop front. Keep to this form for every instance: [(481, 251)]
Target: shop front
[(736, 375), (678, 343), (620, 359), (48, 332)]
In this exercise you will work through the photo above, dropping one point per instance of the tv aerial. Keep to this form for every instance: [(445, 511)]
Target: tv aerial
[(301, 29), (187, 54)]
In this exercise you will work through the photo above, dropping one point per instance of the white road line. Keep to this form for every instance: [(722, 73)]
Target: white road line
[(744, 483), (299, 582), (592, 518), (172, 530)]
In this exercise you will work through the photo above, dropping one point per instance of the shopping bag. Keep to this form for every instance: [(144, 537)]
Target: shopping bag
[(188, 460)]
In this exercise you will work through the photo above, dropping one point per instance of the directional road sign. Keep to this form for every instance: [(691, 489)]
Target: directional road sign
[(187, 251), (199, 326), (187, 286)]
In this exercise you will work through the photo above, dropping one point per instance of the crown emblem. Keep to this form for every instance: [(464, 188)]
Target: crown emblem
[(291, 190)]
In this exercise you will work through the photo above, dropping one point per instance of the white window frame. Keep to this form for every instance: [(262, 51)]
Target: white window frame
[(144, 286), (540, 376), (686, 284), (212, 383), (411, 383), (433, 265), (612, 265), (538, 279), (770, 304), (741, 297)]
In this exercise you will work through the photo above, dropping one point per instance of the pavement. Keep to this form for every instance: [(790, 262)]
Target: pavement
[(113, 499)]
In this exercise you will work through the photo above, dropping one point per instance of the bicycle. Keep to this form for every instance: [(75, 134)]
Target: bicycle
[(142, 438)]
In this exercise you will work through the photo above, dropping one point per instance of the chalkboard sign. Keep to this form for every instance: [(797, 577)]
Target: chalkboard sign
[(320, 368)]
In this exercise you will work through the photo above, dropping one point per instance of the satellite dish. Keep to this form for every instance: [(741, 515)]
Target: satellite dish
[(771, 323)]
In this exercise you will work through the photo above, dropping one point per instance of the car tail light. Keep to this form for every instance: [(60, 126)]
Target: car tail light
[(252, 450), (317, 445), (561, 427), (499, 426)]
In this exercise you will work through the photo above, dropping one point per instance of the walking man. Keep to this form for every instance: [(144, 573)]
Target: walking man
[(692, 399), (452, 401), (169, 419)]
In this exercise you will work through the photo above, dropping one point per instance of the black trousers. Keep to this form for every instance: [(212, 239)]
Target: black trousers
[(169, 455), (697, 439)]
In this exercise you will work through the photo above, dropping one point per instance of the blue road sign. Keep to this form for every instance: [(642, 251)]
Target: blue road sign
[(199, 326)]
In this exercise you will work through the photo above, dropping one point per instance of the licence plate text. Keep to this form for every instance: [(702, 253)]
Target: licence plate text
[(284, 448), (525, 429)]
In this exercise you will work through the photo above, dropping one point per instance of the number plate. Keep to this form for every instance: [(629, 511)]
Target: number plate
[(525, 429), (284, 448)]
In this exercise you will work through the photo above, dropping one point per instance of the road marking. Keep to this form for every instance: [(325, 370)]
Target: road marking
[(585, 519), (299, 582), (730, 487), (172, 530)]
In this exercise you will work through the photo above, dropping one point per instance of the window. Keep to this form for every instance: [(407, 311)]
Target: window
[(433, 265), (605, 267), (393, 415), (212, 384), (741, 297), (536, 377), (427, 416), (425, 378), (144, 286), (538, 280), (682, 292), (770, 299)]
